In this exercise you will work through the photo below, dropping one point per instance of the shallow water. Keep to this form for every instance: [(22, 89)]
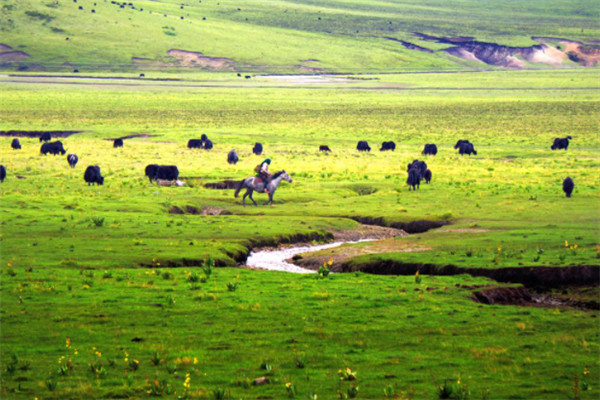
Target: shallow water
[(274, 260)]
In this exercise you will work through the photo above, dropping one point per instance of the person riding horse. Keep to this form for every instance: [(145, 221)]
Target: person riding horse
[(264, 173)]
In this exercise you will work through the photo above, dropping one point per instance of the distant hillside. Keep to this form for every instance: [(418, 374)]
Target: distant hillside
[(297, 36)]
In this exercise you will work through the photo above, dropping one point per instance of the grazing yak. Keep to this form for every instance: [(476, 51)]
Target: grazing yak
[(195, 144), (204, 138), (568, 186), (208, 144), (414, 178), (2, 173), (427, 176), (45, 137), (560, 144), (167, 173), (152, 171), (324, 148), (118, 143), (72, 160), (16, 145), (363, 146), (54, 148), (92, 175), (257, 149), (466, 148), (232, 157), (430, 149), (385, 146), (419, 166)]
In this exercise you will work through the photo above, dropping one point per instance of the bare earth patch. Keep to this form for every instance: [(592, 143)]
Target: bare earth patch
[(338, 255), (197, 59), (13, 56)]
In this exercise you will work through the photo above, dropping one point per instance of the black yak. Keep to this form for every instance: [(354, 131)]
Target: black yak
[(430, 149), (324, 148), (420, 166), (118, 143), (45, 137), (568, 186), (194, 144), (560, 144), (414, 179), (427, 176), (232, 157), (363, 146), (208, 144), (92, 175), (2, 173), (257, 149), (54, 148), (385, 146), (15, 144)]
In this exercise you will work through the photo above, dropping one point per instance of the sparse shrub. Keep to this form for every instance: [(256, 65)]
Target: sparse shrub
[(98, 222), (347, 374), (232, 286), (166, 275), (193, 277), (51, 383), (219, 394)]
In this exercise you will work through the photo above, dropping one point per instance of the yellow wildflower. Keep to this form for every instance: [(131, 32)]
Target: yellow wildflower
[(99, 354), (68, 343), (566, 244), (330, 261), (76, 352), (287, 385), (195, 360), (586, 371)]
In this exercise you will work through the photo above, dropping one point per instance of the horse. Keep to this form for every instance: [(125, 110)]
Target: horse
[(253, 183)]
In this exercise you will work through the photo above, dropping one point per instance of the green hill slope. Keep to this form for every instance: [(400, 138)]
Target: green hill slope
[(283, 36)]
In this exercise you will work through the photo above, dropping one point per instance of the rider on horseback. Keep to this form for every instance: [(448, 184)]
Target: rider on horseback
[(264, 173)]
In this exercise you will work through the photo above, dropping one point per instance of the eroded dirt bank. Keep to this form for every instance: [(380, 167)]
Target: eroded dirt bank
[(544, 277), (419, 226)]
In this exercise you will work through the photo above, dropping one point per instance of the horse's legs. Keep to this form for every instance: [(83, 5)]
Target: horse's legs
[(244, 198), (252, 198), (271, 198)]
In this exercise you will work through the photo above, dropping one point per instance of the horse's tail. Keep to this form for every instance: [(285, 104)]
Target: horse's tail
[(239, 187)]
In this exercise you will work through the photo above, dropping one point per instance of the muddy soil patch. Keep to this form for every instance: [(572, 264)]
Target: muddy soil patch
[(36, 134), (419, 226), (226, 184)]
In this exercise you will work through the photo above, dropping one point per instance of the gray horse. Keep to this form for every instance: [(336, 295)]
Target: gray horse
[(256, 184)]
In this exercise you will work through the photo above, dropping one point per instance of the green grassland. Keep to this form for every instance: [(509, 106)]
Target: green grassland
[(71, 254), (280, 36)]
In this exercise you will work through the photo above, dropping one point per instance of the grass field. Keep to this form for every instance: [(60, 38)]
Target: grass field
[(72, 255), (277, 36)]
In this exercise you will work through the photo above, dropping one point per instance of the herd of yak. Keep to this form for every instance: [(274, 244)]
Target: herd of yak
[(417, 170)]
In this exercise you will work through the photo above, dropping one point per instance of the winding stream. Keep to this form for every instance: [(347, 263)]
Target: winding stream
[(274, 260)]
